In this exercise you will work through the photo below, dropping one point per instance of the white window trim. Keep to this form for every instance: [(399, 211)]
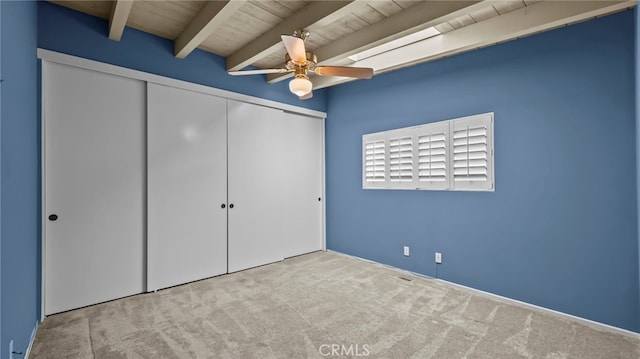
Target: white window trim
[(480, 162)]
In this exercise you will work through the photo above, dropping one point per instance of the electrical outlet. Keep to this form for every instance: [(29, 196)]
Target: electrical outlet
[(438, 257), (406, 251)]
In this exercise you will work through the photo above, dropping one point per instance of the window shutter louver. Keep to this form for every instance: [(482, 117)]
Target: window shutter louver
[(470, 154), (375, 161), (401, 159)]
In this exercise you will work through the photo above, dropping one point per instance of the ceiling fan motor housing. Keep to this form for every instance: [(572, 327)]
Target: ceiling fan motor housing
[(310, 64)]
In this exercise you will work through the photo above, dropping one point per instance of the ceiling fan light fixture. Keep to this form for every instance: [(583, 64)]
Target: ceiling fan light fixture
[(300, 62), (300, 85)]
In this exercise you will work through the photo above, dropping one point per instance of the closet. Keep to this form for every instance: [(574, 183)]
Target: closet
[(152, 184)]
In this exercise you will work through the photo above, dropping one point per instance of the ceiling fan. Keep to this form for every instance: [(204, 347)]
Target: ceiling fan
[(300, 61)]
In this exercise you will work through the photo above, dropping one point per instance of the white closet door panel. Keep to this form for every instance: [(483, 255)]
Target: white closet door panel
[(303, 178), (187, 186), (256, 185), (94, 126)]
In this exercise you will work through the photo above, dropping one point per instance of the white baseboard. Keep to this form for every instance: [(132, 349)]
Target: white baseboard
[(588, 322), (33, 337)]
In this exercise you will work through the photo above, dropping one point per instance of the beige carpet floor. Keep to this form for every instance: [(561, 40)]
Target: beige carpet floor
[(321, 305)]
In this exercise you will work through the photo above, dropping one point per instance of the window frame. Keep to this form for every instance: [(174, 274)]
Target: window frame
[(481, 164)]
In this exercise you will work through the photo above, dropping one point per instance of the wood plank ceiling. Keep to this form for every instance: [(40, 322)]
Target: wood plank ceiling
[(247, 32)]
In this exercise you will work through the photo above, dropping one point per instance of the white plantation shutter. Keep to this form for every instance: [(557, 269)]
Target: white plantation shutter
[(432, 156), (472, 153), (447, 155), (401, 159), (374, 162)]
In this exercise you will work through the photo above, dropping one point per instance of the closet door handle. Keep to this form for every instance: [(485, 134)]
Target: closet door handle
[(223, 206), (230, 205), (53, 217)]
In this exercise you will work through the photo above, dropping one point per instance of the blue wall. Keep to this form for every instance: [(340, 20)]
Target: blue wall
[(560, 231), (74, 33), (1, 76), (637, 77), (20, 175)]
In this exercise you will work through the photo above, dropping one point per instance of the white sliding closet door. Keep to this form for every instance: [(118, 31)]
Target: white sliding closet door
[(303, 169), (256, 185), (94, 128), (187, 186)]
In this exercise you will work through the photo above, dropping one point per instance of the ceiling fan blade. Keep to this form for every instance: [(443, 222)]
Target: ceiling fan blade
[(258, 72), (307, 96), (345, 71), (295, 48)]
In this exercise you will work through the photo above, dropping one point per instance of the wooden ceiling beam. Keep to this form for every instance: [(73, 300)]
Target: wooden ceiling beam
[(410, 20), (118, 19), (535, 18), (316, 13), (212, 15)]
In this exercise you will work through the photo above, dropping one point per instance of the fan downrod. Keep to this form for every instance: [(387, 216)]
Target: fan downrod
[(301, 33)]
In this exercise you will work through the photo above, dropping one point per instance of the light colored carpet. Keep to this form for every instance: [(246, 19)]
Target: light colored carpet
[(321, 305)]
